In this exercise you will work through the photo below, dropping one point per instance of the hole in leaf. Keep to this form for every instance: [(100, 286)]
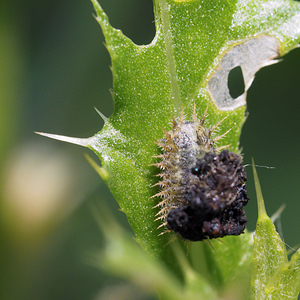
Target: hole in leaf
[(137, 23), (236, 83)]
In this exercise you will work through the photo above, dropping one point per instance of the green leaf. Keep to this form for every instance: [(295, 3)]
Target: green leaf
[(285, 283), (197, 44), (230, 259), (123, 257), (273, 276)]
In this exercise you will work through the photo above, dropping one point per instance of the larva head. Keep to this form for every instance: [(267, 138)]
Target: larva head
[(193, 135)]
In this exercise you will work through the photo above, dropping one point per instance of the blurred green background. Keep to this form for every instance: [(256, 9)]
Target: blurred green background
[(54, 69)]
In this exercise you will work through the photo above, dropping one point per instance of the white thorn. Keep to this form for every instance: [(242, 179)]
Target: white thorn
[(101, 115), (273, 61), (67, 139)]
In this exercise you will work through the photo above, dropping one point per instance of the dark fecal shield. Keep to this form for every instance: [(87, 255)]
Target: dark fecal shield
[(203, 190), (215, 199)]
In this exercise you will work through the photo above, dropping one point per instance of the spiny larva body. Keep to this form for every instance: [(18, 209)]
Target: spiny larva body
[(203, 190)]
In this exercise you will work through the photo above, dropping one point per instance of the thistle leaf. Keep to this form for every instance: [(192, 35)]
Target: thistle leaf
[(197, 44)]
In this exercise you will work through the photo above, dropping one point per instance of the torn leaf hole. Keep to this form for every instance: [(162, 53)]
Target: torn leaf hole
[(236, 84), (246, 58)]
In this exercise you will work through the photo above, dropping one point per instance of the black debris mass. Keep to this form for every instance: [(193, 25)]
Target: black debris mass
[(216, 193)]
